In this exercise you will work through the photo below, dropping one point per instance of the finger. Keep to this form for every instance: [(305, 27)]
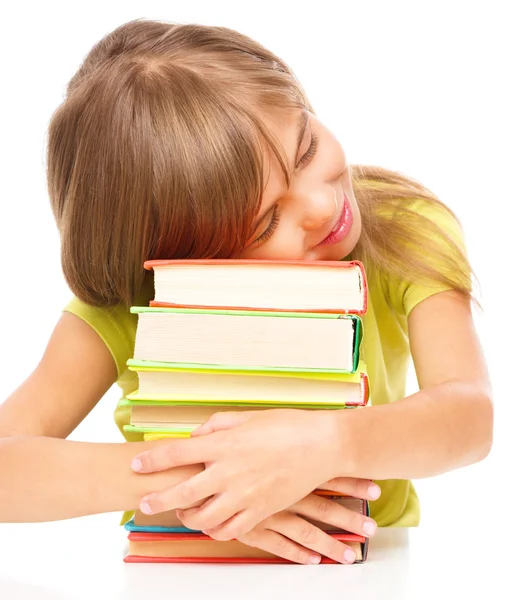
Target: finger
[(213, 513), (174, 454), (309, 536), (275, 543), (332, 513), (235, 527), (352, 486), (223, 420), (199, 487)]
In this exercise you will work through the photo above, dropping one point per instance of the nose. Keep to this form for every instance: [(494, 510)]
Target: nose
[(320, 207)]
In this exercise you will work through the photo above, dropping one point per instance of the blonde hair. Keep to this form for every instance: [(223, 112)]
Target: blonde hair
[(156, 152)]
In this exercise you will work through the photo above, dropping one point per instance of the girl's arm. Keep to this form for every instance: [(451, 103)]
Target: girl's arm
[(44, 477), (447, 424)]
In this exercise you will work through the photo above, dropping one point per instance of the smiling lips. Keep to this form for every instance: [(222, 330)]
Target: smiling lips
[(343, 226)]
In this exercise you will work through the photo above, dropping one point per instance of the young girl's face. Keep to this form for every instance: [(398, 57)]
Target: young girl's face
[(316, 217)]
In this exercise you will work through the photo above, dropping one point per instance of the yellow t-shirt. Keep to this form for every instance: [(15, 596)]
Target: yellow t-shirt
[(384, 348)]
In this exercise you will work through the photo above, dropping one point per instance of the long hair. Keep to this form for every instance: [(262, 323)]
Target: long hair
[(157, 152)]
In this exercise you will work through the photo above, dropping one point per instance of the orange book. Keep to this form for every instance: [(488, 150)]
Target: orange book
[(267, 285)]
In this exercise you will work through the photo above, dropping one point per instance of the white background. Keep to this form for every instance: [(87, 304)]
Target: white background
[(426, 88)]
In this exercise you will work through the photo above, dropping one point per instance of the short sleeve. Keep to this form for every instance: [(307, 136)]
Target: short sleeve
[(417, 293), (115, 325), (405, 294)]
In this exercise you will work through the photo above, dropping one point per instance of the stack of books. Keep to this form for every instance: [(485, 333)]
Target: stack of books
[(242, 335)]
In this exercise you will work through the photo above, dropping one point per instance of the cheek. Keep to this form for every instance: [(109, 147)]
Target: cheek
[(339, 158), (330, 155), (286, 244)]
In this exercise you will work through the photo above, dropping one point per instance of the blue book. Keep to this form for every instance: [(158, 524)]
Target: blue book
[(130, 526)]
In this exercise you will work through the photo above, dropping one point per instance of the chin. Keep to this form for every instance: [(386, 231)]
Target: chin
[(347, 246)]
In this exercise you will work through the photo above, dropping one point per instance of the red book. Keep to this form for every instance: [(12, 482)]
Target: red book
[(201, 548), (266, 285)]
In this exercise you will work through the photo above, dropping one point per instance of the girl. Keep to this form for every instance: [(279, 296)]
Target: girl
[(188, 141)]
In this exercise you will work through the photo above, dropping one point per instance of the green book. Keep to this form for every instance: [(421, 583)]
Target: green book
[(247, 340), (178, 419)]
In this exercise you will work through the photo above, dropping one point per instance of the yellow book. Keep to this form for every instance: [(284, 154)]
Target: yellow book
[(149, 436), (210, 385)]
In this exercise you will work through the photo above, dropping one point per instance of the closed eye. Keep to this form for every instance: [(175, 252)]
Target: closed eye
[(271, 228), (305, 160), (310, 153)]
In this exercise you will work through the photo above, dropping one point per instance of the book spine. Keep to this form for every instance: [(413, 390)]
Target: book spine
[(343, 311), (132, 558)]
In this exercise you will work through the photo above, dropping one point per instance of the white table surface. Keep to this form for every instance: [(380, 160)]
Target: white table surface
[(82, 558)]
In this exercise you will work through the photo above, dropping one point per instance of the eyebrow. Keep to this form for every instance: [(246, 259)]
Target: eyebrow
[(301, 129)]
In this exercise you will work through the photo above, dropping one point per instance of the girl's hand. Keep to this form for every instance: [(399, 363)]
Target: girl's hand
[(288, 535), (265, 462)]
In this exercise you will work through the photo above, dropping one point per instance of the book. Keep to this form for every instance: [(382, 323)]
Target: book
[(168, 522), (177, 419), (197, 547), (254, 339), (174, 411), (241, 335), (161, 537), (149, 436), (208, 385), (322, 286), (161, 418)]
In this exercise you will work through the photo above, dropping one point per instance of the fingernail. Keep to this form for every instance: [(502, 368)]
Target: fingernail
[(314, 560), (374, 491), (369, 527), (145, 507), (349, 556), (136, 464)]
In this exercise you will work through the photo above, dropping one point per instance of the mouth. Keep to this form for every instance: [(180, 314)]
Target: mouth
[(342, 226)]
